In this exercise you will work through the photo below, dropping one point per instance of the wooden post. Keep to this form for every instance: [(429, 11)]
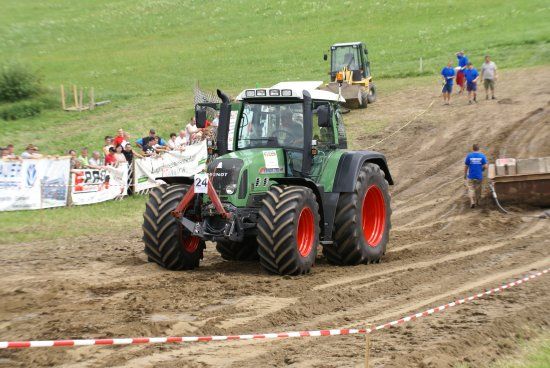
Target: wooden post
[(367, 350), (421, 66), (63, 98), (75, 97), (80, 106), (92, 100)]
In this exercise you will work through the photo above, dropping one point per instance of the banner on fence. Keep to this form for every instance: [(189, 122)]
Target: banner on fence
[(172, 163), (98, 185), (33, 183)]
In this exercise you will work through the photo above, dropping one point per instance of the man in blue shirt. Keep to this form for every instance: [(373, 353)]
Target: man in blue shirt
[(475, 163), (462, 63), (472, 77), (448, 74)]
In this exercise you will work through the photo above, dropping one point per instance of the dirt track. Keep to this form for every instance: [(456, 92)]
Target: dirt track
[(102, 286)]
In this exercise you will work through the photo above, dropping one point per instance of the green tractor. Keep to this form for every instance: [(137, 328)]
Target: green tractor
[(279, 183)]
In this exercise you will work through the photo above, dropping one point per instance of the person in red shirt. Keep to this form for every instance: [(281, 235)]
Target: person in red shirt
[(119, 138), (110, 159)]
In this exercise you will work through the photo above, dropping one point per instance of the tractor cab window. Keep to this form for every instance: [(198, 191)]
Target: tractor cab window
[(271, 125), (345, 57), (324, 136), (341, 129)]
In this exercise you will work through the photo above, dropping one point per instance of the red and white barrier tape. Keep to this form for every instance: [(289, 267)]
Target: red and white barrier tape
[(264, 336)]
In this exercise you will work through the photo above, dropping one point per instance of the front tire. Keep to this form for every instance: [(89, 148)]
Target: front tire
[(167, 242), (371, 96), (288, 230), (363, 220)]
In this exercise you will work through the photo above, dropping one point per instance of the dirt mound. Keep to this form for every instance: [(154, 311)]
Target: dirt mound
[(439, 250)]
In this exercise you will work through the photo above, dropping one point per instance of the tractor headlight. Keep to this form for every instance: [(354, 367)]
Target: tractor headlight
[(230, 189)]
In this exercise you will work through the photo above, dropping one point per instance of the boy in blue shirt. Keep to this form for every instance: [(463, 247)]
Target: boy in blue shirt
[(472, 77), (475, 163), (462, 63), (448, 74)]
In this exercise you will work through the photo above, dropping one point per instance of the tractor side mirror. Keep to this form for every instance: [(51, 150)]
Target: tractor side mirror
[(200, 117), (324, 115), (325, 57)]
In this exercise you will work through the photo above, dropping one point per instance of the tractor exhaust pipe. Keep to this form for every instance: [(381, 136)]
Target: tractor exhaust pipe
[(223, 125)]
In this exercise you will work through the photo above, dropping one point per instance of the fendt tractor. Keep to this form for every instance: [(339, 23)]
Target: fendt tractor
[(282, 186), (350, 74)]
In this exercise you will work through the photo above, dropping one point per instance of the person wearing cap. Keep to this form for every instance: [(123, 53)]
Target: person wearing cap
[(448, 74), (462, 64), (31, 152), (489, 76), (472, 77)]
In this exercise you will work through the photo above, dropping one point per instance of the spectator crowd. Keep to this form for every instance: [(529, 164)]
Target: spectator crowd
[(120, 149)]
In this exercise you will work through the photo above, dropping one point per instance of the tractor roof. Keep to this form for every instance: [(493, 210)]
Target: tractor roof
[(346, 44), (290, 90)]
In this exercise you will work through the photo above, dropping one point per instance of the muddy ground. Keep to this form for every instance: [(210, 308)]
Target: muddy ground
[(440, 249)]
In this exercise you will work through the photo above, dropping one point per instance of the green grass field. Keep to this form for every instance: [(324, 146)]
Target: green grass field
[(146, 55)]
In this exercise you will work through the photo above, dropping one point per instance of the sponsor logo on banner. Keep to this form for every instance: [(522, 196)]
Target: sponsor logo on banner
[(30, 184), (93, 186), (31, 175)]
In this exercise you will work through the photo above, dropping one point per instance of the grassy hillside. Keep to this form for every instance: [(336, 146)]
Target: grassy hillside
[(145, 55)]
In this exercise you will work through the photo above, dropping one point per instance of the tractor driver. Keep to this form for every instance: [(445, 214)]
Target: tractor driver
[(292, 133), (349, 61)]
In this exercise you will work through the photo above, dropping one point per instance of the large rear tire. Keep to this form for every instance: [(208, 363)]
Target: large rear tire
[(247, 250), (288, 230), (167, 242), (363, 220)]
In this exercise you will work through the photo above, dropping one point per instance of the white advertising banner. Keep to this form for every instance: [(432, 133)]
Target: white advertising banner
[(172, 163), (33, 183), (98, 185)]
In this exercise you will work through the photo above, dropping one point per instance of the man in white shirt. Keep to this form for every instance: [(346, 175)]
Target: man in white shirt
[(31, 152), (194, 133), (95, 162), (489, 76), (181, 141)]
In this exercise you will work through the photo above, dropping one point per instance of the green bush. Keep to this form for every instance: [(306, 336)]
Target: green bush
[(21, 109), (18, 82)]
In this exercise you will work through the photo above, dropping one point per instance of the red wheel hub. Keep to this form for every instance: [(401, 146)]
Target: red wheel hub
[(306, 232), (374, 216), (191, 243)]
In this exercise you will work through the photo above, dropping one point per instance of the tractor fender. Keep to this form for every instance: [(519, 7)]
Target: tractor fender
[(176, 179), (349, 165)]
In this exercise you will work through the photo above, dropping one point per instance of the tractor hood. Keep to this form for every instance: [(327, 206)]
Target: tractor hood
[(240, 173)]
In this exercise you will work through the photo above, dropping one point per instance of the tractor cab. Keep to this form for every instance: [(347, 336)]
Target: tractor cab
[(352, 56)]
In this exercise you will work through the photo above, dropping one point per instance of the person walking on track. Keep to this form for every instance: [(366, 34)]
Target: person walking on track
[(472, 76), (462, 63), (489, 77), (474, 165), (448, 74)]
